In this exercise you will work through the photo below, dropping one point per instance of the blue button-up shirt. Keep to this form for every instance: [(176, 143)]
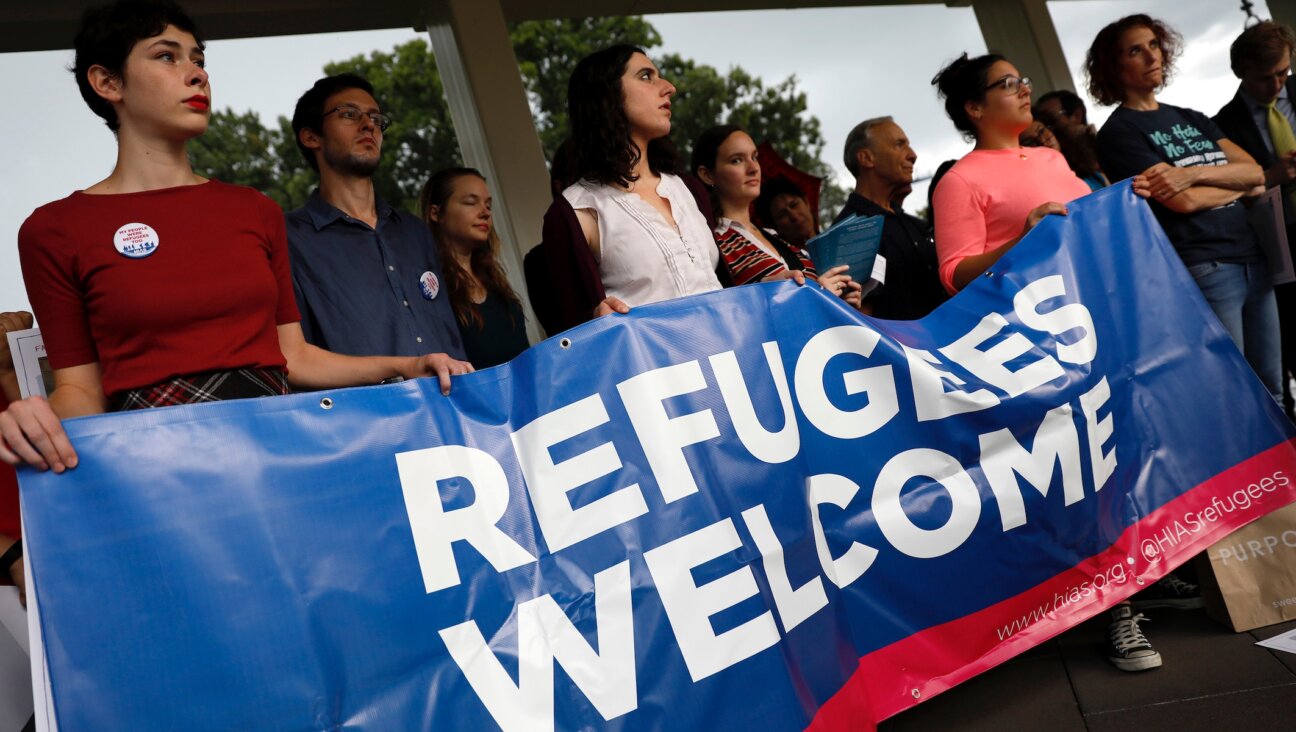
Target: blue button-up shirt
[(369, 291)]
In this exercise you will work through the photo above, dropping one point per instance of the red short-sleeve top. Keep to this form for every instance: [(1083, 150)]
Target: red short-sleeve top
[(160, 283)]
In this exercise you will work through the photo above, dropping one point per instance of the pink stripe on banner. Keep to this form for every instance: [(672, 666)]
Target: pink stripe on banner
[(909, 671)]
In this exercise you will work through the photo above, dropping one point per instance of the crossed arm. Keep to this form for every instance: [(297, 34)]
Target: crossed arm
[(1202, 187)]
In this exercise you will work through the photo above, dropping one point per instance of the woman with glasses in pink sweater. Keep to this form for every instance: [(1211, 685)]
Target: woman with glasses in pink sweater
[(997, 193)]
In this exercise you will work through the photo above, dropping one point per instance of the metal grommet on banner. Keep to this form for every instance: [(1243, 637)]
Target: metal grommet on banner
[(916, 694), (564, 343), (989, 273), (326, 403)]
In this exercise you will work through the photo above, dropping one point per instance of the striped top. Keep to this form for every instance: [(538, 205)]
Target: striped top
[(748, 261)]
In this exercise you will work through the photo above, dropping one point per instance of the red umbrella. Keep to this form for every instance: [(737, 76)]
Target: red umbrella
[(774, 166)]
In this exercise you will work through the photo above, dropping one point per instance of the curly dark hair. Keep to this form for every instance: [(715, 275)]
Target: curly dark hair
[(600, 130), (485, 260), (964, 80), (1102, 62), (107, 35)]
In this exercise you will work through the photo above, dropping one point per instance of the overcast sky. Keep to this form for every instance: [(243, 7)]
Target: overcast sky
[(853, 63)]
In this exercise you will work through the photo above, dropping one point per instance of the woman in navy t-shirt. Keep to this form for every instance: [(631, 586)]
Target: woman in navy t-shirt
[(1194, 179)]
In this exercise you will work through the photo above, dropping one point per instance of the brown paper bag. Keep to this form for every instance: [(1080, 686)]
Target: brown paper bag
[(1248, 579)]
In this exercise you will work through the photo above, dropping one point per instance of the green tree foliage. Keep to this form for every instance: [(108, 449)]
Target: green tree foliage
[(776, 113), (296, 178), (238, 148)]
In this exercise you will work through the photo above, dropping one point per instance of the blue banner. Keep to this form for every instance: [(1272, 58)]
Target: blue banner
[(753, 509)]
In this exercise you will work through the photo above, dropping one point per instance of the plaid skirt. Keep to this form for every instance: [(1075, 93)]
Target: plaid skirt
[(211, 386)]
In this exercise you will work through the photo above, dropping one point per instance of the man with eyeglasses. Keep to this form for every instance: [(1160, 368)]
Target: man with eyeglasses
[(1260, 119), (367, 276)]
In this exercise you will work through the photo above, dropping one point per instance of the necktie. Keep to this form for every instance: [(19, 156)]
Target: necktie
[(1284, 141)]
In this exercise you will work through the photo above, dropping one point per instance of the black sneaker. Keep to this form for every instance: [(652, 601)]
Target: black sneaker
[(1169, 591), (1127, 647)]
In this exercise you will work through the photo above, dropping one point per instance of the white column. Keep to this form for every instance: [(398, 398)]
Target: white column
[(492, 119), (1282, 11), (1023, 31)]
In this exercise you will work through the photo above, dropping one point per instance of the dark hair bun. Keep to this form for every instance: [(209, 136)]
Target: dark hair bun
[(952, 78), (963, 80)]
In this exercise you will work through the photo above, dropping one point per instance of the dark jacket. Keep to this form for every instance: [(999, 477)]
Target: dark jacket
[(912, 288), (1237, 124)]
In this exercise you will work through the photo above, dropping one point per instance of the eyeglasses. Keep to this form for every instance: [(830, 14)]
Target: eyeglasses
[(1012, 84), (352, 113)]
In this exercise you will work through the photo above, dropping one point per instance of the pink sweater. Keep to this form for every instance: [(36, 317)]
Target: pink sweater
[(982, 202)]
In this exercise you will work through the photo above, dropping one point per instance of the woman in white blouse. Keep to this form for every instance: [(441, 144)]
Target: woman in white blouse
[(629, 232)]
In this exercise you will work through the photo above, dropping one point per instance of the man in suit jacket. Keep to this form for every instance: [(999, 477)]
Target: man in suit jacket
[(1261, 57)]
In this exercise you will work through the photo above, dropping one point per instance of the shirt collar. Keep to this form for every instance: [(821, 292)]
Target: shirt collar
[(1254, 103), (865, 206), (322, 213), (724, 223)]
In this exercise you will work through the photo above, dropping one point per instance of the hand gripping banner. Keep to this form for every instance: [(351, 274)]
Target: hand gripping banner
[(753, 509)]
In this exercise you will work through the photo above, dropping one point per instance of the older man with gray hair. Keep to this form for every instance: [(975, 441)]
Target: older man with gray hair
[(878, 154)]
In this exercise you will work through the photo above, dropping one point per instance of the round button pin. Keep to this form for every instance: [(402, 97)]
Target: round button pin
[(429, 285), (136, 240)]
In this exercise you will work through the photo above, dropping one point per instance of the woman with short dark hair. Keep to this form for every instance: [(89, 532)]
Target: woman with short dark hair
[(630, 231), (155, 286), (998, 192)]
